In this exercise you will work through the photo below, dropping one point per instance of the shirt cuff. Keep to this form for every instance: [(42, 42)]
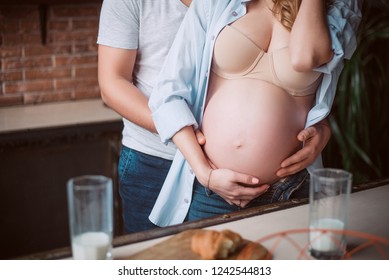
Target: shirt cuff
[(171, 117)]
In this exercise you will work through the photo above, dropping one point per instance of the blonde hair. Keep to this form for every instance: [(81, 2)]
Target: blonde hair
[(288, 10)]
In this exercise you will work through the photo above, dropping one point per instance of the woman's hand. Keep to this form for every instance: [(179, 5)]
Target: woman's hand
[(315, 138), (235, 188)]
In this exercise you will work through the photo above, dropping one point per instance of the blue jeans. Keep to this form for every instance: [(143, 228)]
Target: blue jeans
[(206, 203), (141, 177)]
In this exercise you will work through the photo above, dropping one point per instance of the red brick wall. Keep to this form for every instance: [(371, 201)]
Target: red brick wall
[(65, 68)]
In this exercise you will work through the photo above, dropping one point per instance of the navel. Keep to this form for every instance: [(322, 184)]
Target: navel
[(238, 144)]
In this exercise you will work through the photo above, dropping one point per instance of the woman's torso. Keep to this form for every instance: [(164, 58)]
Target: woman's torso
[(251, 121)]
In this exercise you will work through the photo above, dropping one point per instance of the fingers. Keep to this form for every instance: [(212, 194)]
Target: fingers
[(244, 179), (307, 133), (309, 151), (291, 169), (299, 156), (200, 137), (296, 163), (236, 202), (249, 193), (243, 203), (233, 186), (230, 202), (240, 202), (240, 195)]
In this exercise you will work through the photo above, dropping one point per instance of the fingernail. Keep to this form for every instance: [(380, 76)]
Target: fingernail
[(255, 180)]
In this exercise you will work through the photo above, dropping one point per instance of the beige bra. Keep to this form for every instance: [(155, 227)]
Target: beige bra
[(236, 56)]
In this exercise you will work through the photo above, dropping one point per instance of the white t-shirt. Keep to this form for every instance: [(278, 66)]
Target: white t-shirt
[(150, 27)]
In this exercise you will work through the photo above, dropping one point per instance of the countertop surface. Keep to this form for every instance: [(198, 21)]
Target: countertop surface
[(53, 115), (367, 220)]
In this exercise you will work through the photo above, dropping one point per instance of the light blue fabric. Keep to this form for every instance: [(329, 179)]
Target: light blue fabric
[(179, 95)]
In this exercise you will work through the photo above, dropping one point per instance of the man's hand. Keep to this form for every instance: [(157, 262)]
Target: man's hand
[(315, 138), (200, 137)]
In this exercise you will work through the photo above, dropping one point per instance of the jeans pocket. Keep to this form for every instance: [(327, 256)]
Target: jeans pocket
[(124, 163), (284, 188)]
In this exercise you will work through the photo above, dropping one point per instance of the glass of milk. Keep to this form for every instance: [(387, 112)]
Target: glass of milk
[(90, 204), (328, 211)]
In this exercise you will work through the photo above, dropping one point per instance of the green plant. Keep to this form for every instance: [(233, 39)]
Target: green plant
[(359, 118)]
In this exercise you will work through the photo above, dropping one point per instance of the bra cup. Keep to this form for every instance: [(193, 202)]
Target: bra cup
[(234, 54), (287, 77)]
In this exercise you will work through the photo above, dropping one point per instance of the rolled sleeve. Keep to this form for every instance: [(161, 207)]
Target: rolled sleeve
[(172, 116), (343, 19)]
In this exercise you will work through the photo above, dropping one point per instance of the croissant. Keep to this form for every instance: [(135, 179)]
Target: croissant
[(253, 251), (211, 245)]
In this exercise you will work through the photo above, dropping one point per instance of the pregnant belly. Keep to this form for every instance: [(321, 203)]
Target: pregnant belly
[(251, 126)]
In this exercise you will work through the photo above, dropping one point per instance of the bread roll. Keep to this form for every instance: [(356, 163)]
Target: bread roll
[(253, 251), (236, 239), (211, 245)]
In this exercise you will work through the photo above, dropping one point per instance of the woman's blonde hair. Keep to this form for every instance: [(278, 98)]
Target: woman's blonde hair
[(288, 10)]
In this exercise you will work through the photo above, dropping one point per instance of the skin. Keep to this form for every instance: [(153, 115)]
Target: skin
[(115, 69)]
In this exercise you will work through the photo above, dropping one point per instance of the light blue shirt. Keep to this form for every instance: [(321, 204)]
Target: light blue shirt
[(180, 92)]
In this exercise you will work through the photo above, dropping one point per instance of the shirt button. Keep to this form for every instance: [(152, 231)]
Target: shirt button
[(191, 171), (186, 200), (234, 13), (213, 37)]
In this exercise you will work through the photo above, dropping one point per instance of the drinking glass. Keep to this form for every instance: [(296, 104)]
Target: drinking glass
[(328, 208), (90, 205)]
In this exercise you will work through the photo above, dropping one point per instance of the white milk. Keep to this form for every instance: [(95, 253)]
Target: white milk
[(91, 246), (326, 241)]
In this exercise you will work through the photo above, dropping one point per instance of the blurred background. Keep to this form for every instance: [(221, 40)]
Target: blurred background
[(48, 72), (360, 116)]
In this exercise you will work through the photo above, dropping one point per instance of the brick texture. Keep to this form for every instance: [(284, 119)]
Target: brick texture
[(62, 69)]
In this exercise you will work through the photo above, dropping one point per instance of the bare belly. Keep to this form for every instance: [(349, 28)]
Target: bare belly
[(251, 126)]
